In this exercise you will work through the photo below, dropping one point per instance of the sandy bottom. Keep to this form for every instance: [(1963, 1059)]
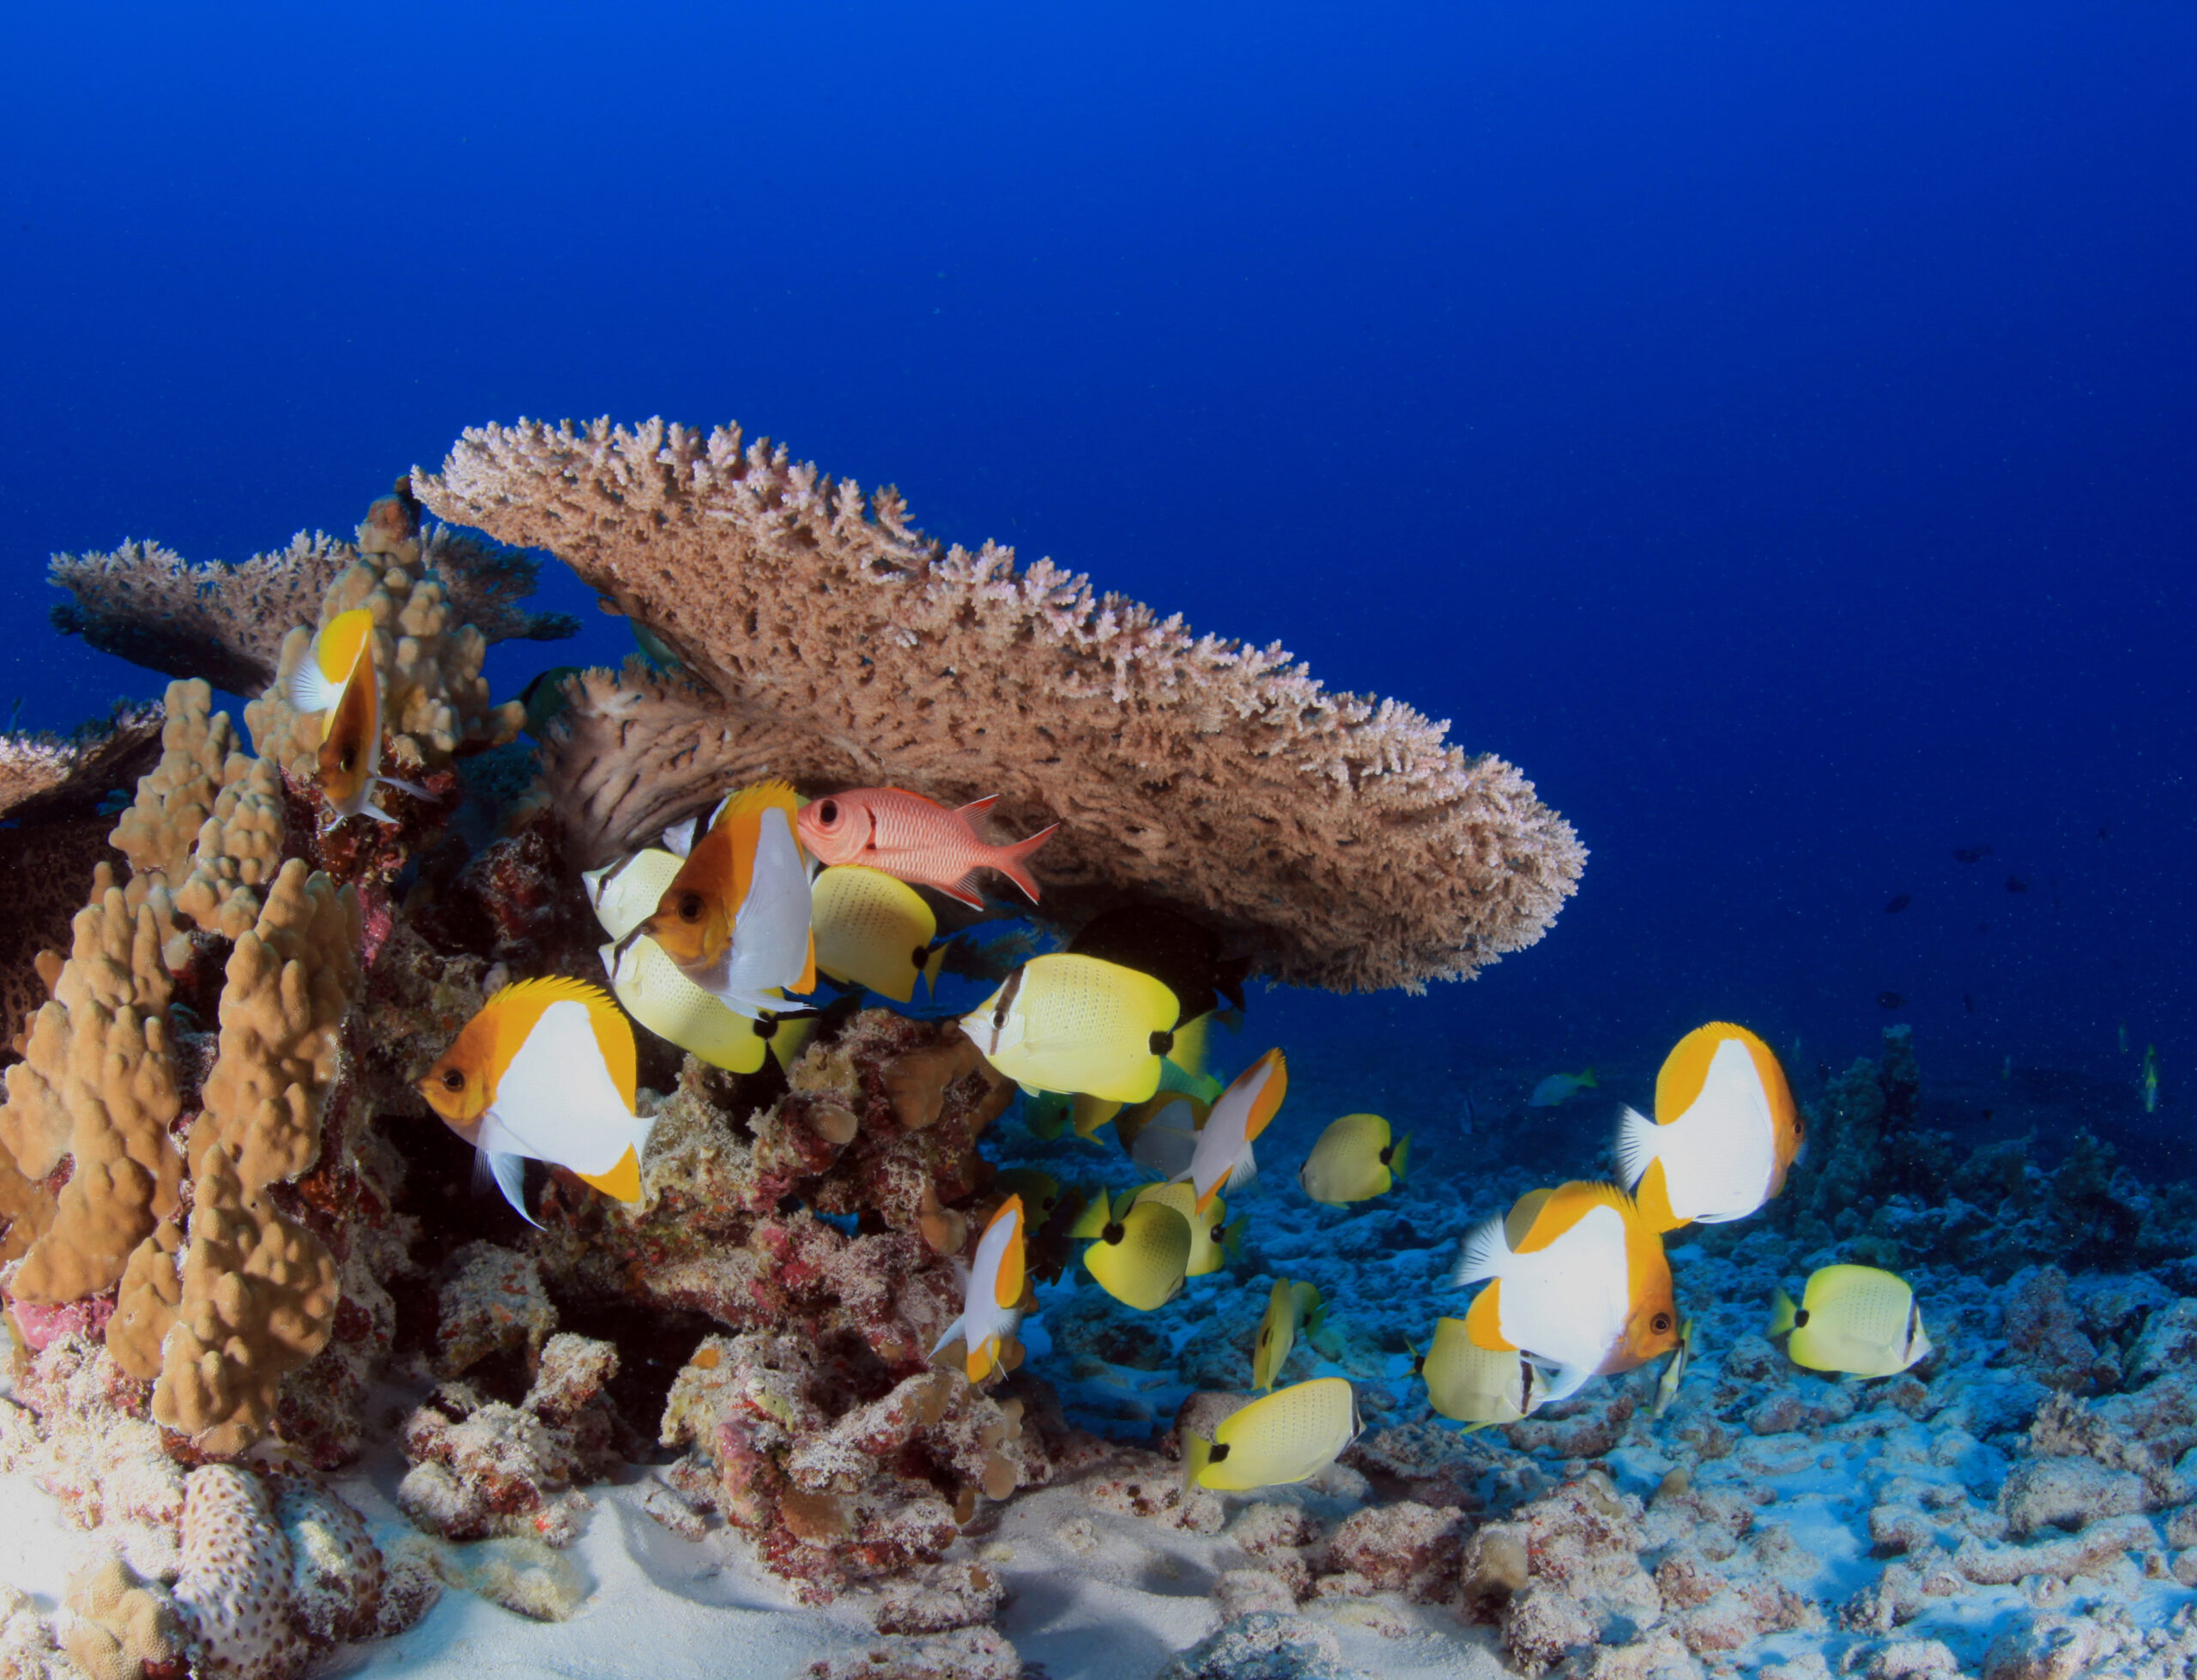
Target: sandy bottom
[(663, 1607)]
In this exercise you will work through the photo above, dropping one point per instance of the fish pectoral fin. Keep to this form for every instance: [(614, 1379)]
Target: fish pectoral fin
[(623, 1181), (957, 1329), (509, 1174), (1244, 1173), (412, 788), (1564, 1381)]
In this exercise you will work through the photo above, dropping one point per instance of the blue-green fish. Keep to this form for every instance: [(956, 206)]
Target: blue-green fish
[(1560, 1088)]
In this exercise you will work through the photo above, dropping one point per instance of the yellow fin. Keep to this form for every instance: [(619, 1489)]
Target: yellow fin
[(623, 1181)]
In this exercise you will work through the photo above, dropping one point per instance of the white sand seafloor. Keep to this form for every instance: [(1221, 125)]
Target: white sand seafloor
[(2024, 1505), (663, 1607)]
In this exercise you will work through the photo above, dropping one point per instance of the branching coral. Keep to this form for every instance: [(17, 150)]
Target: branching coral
[(43, 775), (225, 623), (1341, 839)]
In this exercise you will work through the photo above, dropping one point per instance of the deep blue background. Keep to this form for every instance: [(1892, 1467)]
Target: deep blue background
[(1771, 427)]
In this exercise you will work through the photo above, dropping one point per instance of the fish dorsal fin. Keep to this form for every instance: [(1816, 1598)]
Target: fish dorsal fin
[(1566, 1205), (1268, 1103), (1520, 1219), (1484, 1320), (976, 808), (1685, 1070), (518, 1007)]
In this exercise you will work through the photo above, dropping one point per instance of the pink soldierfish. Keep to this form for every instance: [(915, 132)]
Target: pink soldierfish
[(915, 839)]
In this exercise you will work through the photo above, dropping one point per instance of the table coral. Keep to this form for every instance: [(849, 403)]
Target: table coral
[(1341, 839), (146, 604)]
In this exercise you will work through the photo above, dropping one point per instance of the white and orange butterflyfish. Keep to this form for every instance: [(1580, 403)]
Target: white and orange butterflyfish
[(337, 678), (545, 1071), (1223, 1155), (991, 1293), (736, 917), (1725, 1131), (1577, 1278)]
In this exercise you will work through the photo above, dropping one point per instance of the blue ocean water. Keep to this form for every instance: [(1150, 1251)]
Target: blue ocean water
[(1770, 428)]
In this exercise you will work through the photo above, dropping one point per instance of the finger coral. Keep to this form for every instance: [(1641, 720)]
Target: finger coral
[(97, 1088), (1342, 840), (258, 1301)]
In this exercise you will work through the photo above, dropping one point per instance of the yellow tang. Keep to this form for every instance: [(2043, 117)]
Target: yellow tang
[(1288, 1436), (874, 930), (1142, 1256), (1289, 1307), (1077, 1023), (1208, 1230), (1475, 1385), (1354, 1161), (1853, 1318)]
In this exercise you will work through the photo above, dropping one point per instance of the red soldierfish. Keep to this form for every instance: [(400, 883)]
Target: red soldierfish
[(916, 839)]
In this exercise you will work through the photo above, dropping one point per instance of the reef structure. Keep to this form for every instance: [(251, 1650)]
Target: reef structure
[(1343, 841), (225, 1212)]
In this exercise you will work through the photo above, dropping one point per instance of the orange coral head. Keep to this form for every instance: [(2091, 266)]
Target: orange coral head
[(350, 751), (693, 919)]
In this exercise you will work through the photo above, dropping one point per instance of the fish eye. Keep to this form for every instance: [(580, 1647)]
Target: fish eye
[(690, 907), (1662, 1323), (350, 757), (452, 1079), (827, 811)]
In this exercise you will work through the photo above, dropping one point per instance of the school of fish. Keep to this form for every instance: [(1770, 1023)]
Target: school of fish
[(729, 936)]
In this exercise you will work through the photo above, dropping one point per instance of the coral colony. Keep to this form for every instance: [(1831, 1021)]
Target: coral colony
[(768, 1235)]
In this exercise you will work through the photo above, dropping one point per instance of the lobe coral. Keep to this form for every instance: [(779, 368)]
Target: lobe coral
[(1342, 840)]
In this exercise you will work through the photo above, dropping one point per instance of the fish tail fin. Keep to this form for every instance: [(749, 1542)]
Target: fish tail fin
[(1197, 1453), (1007, 859), (311, 688), (1232, 1237), (1245, 1172), (1586, 1078), (1781, 1313), (1636, 1145), (1401, 1160), (1482, 1255)]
